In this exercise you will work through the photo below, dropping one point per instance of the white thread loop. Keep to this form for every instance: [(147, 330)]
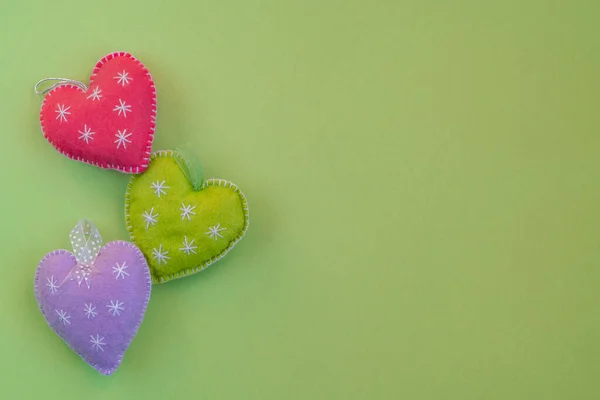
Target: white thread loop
[(86, 241), (58, 82)]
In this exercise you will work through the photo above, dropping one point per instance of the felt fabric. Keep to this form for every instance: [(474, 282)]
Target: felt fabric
[(112, 123), (182, 231), (96, 307)]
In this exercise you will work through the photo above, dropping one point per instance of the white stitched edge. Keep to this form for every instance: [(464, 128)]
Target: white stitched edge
[(97, 367), (126, 169), (208, 182)]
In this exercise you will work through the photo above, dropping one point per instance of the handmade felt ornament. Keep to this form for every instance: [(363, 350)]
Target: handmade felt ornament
[(95, 297), (181, 222), (109, 124)]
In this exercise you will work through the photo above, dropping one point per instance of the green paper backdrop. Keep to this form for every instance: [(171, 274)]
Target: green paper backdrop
[(423, 179)]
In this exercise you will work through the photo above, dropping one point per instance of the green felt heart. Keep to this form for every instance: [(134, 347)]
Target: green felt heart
[(182, 231)]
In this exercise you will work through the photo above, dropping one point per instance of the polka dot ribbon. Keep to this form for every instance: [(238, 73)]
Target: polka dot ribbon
[(86, 241)]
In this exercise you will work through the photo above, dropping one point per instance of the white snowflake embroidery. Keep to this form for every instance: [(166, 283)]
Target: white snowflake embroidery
[(150, 217), (213, 232), (81, 273), (188, 247), (97, 342), (86, 134), (90, 310), (160, 255), (62, 112), (95, 94), (52, 284), (115, 307), (63, 317), (119, 269), (187, 211), (123, 78), (122, 108), (122, 138), (159, 188)]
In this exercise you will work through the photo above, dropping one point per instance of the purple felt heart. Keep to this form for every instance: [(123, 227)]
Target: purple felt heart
[(97, 306)]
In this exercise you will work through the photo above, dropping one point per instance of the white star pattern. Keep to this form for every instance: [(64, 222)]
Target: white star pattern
[(62, 112), (159, 188), (86, 134), (187, 211), (97, 342), (122, 108), (115, 307), (119, 269), (150, 217), (52, 284), (81, 273), (123, 78), (160, 255), (90, 311), (213, 232), (188, 247), (122, 138), (95, 94), (63, 317)]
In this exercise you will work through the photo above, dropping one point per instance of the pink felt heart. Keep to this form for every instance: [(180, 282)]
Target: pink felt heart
[(112, 123), (95, 306)]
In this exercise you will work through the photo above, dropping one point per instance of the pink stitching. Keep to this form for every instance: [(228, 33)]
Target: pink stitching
[(134, 169)]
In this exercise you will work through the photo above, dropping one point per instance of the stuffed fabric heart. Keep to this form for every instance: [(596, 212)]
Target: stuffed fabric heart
[(181, 223), (96, 297), (110, 123)]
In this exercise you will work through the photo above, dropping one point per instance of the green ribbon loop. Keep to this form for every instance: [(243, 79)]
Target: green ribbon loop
[(190, 166)]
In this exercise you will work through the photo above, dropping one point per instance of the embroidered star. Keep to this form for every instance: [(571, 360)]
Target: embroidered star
[(86, 134), (213, 232), (97, 342), (115, 307), (81, 273), (63, 317), (160, 255), (122, 108), (119, 269), (52, 284), (122, 138), (90, 310), (159, 188), (62, 112), (95, 94), (187, 211), (123, 78), (188, 247), (150, 217)]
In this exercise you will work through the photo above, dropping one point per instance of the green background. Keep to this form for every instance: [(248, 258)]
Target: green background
[(423, 180)]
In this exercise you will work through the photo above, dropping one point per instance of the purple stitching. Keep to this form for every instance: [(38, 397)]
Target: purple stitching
[(138, 323)]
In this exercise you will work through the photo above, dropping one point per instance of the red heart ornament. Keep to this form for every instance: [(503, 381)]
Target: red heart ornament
[(111, 124)]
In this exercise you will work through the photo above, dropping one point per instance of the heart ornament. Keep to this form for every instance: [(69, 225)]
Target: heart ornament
[(180, 222), (109, 124), (95, 297)]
